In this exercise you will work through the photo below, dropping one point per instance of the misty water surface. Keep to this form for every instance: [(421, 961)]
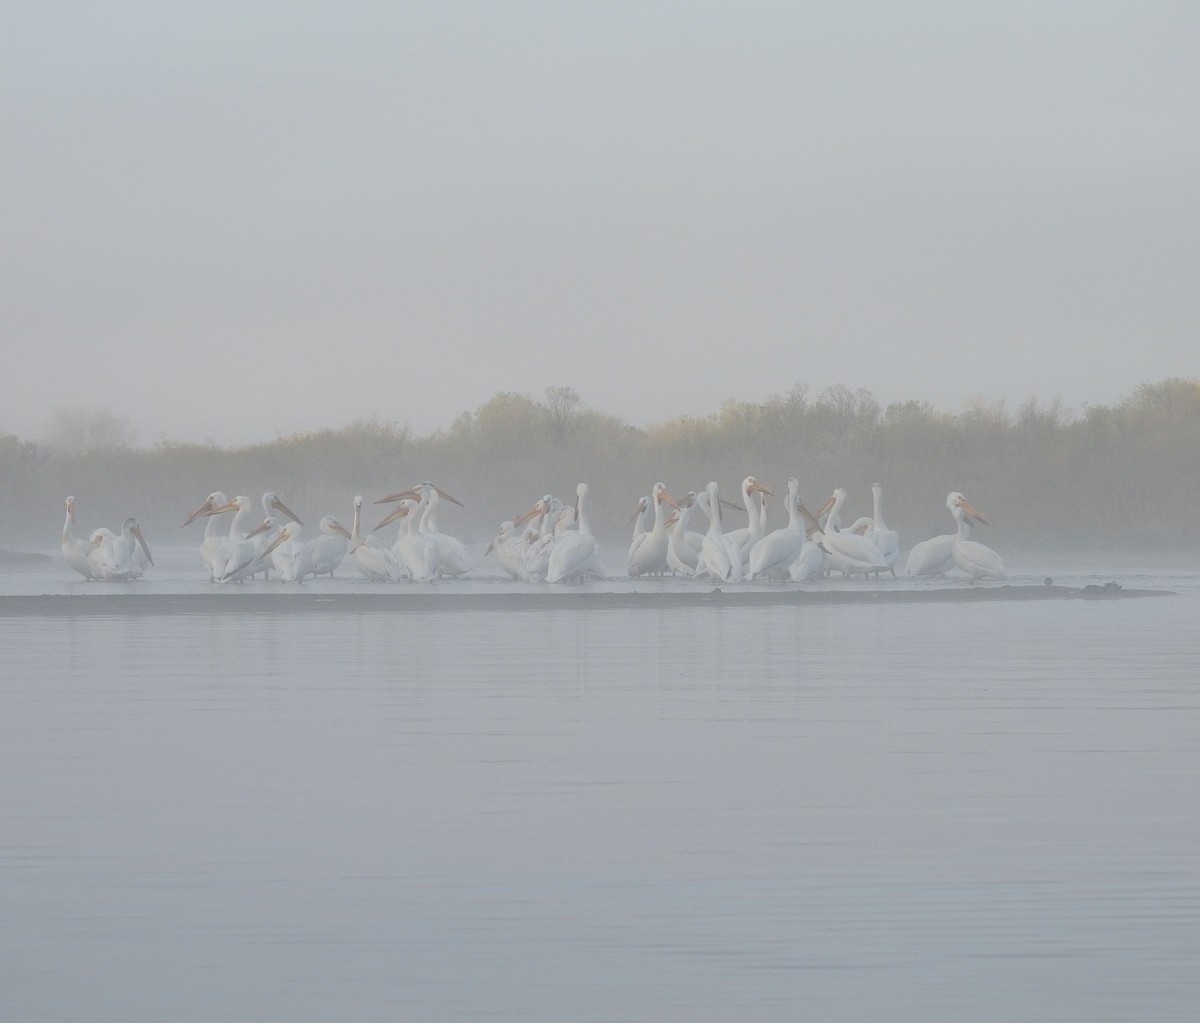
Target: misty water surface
[(876, 812)]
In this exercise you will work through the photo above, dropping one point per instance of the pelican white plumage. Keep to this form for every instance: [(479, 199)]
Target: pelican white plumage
[(570, 556), (720, 555), (76, 552), (641, 523), (112, 556), (414, 550), (509, 551), (373, 558), (648, 553), (849, 552), (935, 556), (776, 552), (977, 560), (324, 554), (887, 540), (753, 493), (288, 554), (452, 555), (214, 548), (244, 546), (246, 556), (684, 545)]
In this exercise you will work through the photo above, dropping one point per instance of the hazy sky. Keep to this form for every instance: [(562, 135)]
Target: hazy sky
[(233, 220)]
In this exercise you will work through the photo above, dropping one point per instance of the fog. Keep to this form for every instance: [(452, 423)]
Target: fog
[(232, 222)]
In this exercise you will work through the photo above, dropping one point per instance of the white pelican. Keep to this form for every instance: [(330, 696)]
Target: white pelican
[(683, 544), (935, 556), (288, 554), (887, 540), (537, 557), (246, 556), (810, 563), (776, 552), (575, 547), (244, 546), (648, 554), (752, 496), (112, 555), (214, 548), (371, 555), (324, 553), (849, 553), (539, 539), (720, 555), (509, 551), (641, 523), (417, 552), (453, 558), (76, 552), (977, 560)]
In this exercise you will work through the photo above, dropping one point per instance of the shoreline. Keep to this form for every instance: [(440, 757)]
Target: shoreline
[(83, 605)]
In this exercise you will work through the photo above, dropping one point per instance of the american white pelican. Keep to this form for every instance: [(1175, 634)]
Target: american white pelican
[(648, 554), (417, 552), (935, 556), (245, 547), (570, 556), (887, 540), (753, 493), (849, 553), (720, 555), (214, 548), (246, 556), (537, 557), (76, 552), (288, 554), (453, 559), (112, 555), (684, 545), (977, 560), (641, 523), (509, 551), (776, 552), (373, 558), (324, 553)]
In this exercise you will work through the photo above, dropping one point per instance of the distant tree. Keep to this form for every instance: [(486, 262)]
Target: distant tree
[(78, 430), (562, 405)]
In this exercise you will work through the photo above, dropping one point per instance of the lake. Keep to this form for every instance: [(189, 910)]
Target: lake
[(858, 809)]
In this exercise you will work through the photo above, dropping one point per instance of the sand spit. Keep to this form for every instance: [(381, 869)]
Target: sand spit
[(77, 605)]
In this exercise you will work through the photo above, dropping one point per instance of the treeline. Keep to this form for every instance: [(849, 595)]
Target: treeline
[(1125, 474)]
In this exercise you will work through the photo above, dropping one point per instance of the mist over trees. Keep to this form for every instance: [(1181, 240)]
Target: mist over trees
[(1122, 475)]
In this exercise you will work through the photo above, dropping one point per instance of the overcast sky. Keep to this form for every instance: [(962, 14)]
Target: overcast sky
[(231, 220)]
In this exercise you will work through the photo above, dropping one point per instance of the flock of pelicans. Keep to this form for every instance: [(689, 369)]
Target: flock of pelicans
[(552, 542)]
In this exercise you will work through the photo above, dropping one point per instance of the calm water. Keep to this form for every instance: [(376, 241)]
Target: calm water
[(898, 812)]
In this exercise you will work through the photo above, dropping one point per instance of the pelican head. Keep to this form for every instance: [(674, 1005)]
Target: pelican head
[(272, 503)]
